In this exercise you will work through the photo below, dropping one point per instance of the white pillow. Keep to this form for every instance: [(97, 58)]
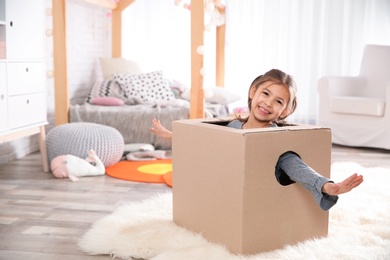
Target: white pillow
[(118, 65), (215, 95), (148, 87)]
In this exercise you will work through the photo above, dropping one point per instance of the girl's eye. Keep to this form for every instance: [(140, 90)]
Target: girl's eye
[(279, 102), (265, 93)]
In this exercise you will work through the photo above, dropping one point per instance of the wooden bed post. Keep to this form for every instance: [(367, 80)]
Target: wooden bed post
[(197, 28), (220, 56), (60, 62)]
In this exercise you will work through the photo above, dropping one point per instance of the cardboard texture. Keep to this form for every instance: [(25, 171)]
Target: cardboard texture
[(224, 184)]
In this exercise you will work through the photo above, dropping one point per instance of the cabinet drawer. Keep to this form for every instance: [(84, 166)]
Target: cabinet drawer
[(26, 110), (24, 78)]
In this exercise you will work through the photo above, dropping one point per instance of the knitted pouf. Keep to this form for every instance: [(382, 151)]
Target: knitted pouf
[(78, 138)]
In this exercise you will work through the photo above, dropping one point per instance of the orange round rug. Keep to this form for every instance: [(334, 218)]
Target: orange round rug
[(142, 171), (168, 178)]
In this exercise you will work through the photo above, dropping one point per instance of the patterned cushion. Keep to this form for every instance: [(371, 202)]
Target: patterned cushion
[(78, 138), (107, 88), (146, 87)]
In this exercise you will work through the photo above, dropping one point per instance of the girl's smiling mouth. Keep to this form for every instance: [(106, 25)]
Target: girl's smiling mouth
[(263, 110)]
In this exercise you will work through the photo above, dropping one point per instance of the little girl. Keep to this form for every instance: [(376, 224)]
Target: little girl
[(271, 99)]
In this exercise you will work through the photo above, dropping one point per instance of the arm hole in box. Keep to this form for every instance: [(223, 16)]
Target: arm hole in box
[(281, 176)]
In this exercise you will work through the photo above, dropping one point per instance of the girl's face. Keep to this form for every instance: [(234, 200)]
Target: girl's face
[(269, 102)]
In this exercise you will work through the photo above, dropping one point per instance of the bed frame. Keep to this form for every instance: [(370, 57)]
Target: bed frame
[(62, 105)]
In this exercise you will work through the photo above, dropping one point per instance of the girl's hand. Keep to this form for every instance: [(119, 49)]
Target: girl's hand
[(160, 130), (343, 187)]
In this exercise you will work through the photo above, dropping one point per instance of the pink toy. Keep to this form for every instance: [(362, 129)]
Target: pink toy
[(71, 166)]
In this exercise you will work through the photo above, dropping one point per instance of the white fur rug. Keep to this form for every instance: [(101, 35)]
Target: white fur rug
[(359, 228)]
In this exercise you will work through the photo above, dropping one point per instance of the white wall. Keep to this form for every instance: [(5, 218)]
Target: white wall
[(88, 38)]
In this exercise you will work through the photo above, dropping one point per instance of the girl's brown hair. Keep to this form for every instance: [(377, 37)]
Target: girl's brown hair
[(281, 78)]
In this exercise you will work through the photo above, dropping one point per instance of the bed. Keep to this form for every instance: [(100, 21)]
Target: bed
[(133, 118), (130, 101)]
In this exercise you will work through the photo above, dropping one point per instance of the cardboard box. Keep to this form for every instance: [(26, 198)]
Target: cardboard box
[(224, 184)]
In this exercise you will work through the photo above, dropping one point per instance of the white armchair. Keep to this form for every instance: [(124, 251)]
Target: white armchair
[(357, 109)]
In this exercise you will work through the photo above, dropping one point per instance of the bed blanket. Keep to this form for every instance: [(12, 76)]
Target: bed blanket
[(133, 122)]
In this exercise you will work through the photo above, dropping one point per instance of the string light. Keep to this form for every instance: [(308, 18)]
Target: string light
[(214, 12)]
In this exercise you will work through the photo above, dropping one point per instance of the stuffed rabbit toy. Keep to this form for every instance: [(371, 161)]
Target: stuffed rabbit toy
[(71, 166)]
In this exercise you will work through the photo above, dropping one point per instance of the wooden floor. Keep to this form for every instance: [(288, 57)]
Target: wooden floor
[(42, 217)]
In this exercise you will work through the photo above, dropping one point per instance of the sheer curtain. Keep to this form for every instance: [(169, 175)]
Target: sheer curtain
[(306, 38)]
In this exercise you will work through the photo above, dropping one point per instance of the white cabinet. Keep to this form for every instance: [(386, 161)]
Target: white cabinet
[(23, 109)]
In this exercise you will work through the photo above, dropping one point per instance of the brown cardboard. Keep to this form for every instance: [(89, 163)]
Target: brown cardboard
[(224, 184)]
